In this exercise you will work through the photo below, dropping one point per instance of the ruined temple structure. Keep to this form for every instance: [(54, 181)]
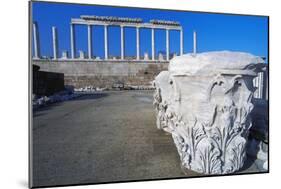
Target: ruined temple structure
[(106, 21), (205, 101), (87, 69), (90, 70)]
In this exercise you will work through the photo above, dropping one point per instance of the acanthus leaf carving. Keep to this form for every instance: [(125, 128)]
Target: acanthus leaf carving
[(213, 143)]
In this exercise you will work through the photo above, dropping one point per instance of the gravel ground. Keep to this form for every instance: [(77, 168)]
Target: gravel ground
[(104, 137)]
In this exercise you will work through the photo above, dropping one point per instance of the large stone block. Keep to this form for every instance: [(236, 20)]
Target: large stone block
[(205, 101)]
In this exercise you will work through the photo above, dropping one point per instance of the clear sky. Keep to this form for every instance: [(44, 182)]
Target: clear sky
[(214, 31)]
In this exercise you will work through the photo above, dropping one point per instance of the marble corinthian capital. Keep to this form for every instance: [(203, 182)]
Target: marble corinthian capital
[(204, 101)]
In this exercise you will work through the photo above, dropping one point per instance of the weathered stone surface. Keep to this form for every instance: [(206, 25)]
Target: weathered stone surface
[(103, 73), (161, 98), (204, 101)]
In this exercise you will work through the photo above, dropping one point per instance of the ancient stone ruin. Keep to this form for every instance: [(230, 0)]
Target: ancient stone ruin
[(205, 100)]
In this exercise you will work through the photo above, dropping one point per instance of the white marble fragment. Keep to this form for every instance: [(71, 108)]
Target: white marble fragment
[(81, 55), (64, 55), (204, 101), (160, 57), (146, 56), (161, 97)]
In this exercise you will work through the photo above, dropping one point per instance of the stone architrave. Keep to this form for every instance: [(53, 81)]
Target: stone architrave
[(204, 101)]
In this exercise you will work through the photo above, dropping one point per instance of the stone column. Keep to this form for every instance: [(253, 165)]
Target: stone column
[(122, 41), (72, 44), (194, 43), (152, 44), (105, 43), (181, 42), (89, 42), (35, 41), (167, 45), (260, 84), (54, 35), (138, 42), (205, 102), (256, 83)]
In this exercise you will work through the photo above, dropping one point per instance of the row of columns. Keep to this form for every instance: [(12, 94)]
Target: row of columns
[(72, 42), (36, 41), (72, 36)]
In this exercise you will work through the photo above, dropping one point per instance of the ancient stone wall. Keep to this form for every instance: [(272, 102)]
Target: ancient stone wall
[(103, 74)]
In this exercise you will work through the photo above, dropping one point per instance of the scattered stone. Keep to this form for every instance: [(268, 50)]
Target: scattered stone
[(86, 89), (160, 57), (64, 55), (65, 95), (146, 56), (81, 55), (101, 89), (118, 85)]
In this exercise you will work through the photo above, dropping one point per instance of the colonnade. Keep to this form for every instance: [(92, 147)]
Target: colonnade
[(92, 21), (122, 41)]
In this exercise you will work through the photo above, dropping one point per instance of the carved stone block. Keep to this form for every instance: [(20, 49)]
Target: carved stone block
[(204, 101)]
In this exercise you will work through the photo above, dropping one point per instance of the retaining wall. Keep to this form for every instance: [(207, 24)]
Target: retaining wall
[(103, 73)]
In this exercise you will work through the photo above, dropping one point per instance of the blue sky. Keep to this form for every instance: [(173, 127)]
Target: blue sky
[(214, 31)]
